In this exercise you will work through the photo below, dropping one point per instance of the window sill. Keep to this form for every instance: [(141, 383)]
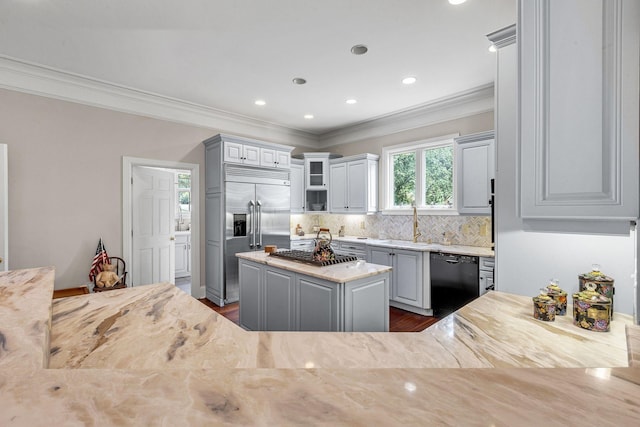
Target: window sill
[(422, 211)]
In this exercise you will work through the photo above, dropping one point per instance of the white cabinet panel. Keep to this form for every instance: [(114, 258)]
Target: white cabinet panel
[(274, 158), (182, 255), (409, 280), (297, 188), (475, 167), (408, 283), (338, 194), (354, 184), (579, 108)]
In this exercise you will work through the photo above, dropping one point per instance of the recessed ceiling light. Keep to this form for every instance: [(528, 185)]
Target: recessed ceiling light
[(493, 48), (352, 101), (260, 102), (409, 80), (359, 49), (299, 81), (457, 1), (308, 116)]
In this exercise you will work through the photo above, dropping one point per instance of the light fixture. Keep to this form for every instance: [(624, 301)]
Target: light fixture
[(308, 116), (457, 1), (299, 81), (352, 101), (260, 102), (359, 49), (409, 80), (493, 48)]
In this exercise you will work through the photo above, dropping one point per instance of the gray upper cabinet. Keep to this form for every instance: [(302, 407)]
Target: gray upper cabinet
[(297, 186), (250, 152), (475, 167), (578, 105), (354, 184)]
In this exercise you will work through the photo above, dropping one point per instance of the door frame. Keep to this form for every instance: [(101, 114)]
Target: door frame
[(4, 208), (128, 163)]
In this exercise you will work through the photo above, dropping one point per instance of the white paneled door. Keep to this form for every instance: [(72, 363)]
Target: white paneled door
[(153, 210), (4, 207)]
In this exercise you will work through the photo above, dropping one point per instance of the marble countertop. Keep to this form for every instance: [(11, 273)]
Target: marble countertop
[(338, 273), (153, 355), (159, 326), (25, 317), (406, 244)]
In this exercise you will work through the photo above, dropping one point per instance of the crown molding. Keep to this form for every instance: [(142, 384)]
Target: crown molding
[(35, 79), (462, 104), (503, 37), (22, 76)]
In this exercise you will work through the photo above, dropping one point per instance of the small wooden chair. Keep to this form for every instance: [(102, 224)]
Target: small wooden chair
[(121, 271)]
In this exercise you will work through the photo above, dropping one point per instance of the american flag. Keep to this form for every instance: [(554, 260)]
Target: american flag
[(100, 258)]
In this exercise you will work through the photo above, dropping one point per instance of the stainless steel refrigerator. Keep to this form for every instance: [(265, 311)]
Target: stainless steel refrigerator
[(257, 214)]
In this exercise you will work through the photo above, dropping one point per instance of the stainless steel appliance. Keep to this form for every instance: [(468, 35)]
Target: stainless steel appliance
[(307, 258), (257, 214), (454, 281)]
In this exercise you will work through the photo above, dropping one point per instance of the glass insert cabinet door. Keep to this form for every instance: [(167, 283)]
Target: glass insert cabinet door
[(317, 173)]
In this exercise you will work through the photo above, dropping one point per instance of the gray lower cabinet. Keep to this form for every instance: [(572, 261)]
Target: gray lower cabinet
[(279, 300), (408, 288), (251, 279), (317, 303), (274, 299)]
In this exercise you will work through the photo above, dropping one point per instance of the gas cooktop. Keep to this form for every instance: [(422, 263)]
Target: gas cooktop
[(307, 258)]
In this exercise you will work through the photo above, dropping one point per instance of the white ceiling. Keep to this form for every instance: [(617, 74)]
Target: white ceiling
[(227, 54)]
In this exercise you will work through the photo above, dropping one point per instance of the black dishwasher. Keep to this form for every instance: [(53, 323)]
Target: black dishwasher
[(454, 281)]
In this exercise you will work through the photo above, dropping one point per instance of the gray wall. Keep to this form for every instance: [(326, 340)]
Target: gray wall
[(65, 177)]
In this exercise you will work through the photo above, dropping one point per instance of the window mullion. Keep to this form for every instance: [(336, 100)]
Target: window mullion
[(420, 170)]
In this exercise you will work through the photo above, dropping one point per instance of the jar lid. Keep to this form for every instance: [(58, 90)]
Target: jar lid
[(596, 274), (543, 298), (592, 296)]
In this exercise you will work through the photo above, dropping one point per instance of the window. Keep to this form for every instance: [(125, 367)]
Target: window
[(184, 193), (420, 174)]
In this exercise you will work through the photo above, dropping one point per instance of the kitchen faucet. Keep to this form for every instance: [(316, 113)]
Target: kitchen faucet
[(416, 232)]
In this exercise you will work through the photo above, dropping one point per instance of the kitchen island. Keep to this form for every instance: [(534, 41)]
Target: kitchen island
[(152, 355), (278, 294)]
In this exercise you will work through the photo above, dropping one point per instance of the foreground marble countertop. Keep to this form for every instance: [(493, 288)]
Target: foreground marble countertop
[(25, 317), (338, 273), (159, 326), (406, 244), (128, 341)]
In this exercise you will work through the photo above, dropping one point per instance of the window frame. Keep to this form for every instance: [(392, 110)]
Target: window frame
[(418, 147), (179, 212)]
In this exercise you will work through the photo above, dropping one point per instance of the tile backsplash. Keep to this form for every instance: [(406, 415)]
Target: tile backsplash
[(460, 230)]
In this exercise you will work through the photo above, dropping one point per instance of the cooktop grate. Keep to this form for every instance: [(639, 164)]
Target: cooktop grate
[(307, 258)]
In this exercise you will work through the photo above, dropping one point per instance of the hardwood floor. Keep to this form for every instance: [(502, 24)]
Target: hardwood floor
[(399, 320)]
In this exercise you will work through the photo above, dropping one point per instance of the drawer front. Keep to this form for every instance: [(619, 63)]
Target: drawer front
[(301, 245), (487, 263)]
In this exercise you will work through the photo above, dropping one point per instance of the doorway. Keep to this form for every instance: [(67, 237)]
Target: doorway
[(132, 165)]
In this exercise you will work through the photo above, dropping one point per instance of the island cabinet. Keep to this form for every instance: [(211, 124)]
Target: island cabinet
[(354, 184), (275, 299), (409, 284), (578, 109)]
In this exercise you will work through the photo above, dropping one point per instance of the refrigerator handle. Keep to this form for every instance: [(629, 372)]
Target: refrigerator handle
[(259, 223), (252, 225)]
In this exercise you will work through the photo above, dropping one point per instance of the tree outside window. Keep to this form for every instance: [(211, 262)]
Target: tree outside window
[(420, 174), (184, 192)]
